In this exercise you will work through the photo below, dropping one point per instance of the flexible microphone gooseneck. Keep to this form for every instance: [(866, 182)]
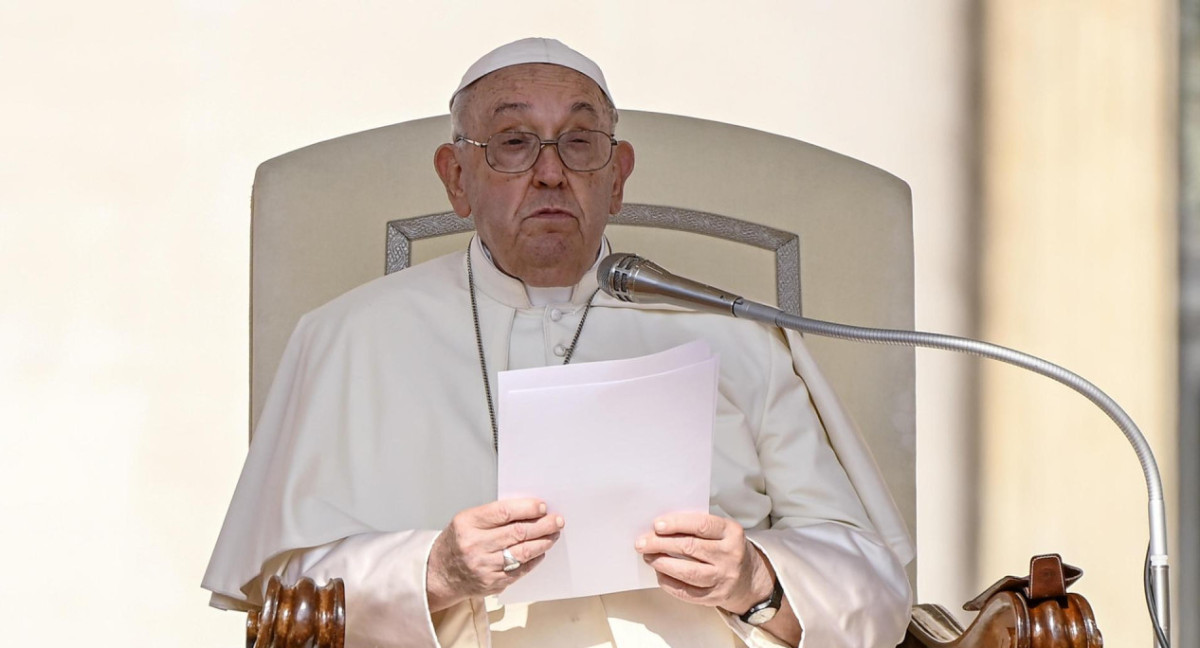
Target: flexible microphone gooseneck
[(631, 278)]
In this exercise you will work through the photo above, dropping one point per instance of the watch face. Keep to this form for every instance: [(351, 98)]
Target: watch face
[(760, 617)]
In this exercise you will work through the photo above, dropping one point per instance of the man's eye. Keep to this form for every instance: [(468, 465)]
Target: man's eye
[(513, 142), (576, 140)]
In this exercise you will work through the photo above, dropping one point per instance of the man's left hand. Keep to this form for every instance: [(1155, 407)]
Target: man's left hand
[(706, 559)]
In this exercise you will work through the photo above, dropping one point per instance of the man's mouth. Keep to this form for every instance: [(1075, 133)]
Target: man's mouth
[(552, 213)]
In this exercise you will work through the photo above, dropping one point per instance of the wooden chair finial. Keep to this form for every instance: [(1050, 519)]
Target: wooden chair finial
[(300, 616)]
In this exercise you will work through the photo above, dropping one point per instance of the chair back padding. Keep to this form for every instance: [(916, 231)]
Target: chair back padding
[(786, 223)]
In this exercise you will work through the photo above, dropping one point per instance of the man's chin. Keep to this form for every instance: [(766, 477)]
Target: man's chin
[(556, 270)]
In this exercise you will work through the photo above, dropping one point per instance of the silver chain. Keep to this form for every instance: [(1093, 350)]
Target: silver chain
[(487, 388)]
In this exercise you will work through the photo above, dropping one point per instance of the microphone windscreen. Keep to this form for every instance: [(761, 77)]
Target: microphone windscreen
[(608, 270)]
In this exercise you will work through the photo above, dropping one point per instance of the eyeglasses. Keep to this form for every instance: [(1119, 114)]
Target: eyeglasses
[(517, 151)]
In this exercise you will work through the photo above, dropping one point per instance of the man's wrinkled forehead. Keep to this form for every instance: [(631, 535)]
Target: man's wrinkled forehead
[(515, 90), (533, 50), (516, 107)]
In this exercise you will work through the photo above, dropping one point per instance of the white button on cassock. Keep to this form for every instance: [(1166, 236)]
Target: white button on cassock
[(556, 314), (560, 350)]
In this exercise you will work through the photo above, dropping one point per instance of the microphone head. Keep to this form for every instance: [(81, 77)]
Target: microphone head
[(615, 272), (630, 278)]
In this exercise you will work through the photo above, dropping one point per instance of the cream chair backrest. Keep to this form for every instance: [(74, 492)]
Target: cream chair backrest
[(328, 217)]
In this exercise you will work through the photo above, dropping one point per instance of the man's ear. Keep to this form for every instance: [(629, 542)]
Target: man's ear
[(623, 163), (445, 161)]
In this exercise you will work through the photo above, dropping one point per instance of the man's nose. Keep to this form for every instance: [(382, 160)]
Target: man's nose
[(548, 169)]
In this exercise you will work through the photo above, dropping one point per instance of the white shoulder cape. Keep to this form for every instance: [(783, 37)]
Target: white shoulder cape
[(329, 460)]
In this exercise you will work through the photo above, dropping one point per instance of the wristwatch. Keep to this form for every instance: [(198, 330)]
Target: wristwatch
[(760, 613)]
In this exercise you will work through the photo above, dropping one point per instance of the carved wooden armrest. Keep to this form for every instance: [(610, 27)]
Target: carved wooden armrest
[(301, 616), (1031, 612)]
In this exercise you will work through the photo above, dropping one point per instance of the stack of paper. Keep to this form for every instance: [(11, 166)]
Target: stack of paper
[(609, 446)]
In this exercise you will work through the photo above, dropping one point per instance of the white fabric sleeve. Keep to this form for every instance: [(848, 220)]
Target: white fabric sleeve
[(845, 587), (384, 575)]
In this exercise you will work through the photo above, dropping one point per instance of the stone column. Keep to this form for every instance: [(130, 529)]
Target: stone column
[(1079, 267)]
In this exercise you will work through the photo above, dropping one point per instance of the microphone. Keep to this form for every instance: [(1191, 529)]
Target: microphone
[(630, 278)]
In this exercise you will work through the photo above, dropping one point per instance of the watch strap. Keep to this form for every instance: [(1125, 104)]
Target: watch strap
[(773, 602)]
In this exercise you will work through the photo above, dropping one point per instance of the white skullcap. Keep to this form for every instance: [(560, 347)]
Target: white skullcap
[(532, 50)]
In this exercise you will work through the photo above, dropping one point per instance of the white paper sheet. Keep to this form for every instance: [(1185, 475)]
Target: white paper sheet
[(609, 446)]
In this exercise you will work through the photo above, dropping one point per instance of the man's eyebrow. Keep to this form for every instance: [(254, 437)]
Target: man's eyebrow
[(519, 106), (509, 107), (583, 106)]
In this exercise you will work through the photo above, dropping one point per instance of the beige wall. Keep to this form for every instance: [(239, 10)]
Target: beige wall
[(1079, 248), (130, 132)]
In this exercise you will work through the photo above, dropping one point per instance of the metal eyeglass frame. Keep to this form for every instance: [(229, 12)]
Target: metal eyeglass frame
[(542, 144)]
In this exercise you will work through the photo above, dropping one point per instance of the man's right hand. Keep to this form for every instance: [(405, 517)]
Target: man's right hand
[(467, 558)]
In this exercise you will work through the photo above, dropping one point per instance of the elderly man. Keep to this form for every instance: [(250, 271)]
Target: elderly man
[(374, 459)]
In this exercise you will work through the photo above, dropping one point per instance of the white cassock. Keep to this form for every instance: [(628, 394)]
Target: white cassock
[(376, 432)]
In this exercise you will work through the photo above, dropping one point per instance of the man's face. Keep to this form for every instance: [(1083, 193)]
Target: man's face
[(543, 226)]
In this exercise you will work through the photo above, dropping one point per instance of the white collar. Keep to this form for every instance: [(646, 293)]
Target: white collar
[(513, 292)]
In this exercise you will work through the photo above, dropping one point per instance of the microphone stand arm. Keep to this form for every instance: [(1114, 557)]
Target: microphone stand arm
[(1156, 568), (631, 278)]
